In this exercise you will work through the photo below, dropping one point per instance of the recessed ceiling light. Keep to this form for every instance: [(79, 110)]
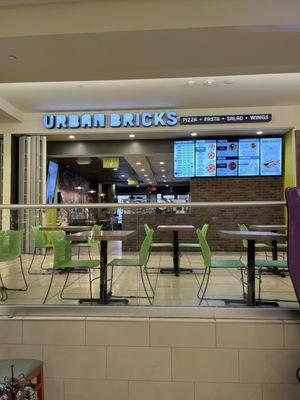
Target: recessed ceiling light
[(259, 132), (163, 170), (161, 163), (165, 180), (194, 134), (137, 185), (142, 170), (115, 169), (71, 137), (13, 57), (191, 82), (167, 185), (148, 179), (123, 176), (145, 175), (92, 191), (209, 82), (150, 183), (138, 163), (132, 135), (164, 176), (78, 187)]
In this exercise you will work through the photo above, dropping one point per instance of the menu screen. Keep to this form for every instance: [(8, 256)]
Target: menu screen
[(271, 156), (228, 157), (206, 157), (249, 157), (184, 159)]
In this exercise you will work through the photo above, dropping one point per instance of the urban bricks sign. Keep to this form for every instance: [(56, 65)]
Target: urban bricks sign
[(113, 120), (225, 119)]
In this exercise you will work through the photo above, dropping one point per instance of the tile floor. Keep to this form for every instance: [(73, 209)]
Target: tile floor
[(169, 290)]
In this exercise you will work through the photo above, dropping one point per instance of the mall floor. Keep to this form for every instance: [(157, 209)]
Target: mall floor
[(169, 289)]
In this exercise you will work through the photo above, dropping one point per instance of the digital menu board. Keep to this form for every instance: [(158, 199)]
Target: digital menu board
[(228, 157), (271, 156), (249, 150), (206, 157), (184, 159)]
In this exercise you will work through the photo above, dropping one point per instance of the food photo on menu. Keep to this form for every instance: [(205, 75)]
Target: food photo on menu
[(206, 157), (249, 150), (227, 167)]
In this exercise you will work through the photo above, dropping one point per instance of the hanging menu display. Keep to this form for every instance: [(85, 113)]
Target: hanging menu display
[(184, 158), (249, 150), (228, 157), (271, 156), (206, 157)]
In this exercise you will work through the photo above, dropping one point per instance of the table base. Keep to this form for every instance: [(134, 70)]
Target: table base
[(177, 273), (105, 302), (257, 303)]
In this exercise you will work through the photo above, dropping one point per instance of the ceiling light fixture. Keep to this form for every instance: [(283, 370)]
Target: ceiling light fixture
[(92, 191), (164, 176), (138, 163), (71, 137), (259, 132), (191, 82), (194, 134), (145, 175), (148, 179), (78, 187), (161, 163), (142, 170), (122, 176), (209, 82), (165, 180), (132, 135), (230, 81), (115, 169), (13, 57), (163, 170)]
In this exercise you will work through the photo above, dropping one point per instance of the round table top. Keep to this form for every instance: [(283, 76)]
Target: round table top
[(175, 227), (102, 235), (269, 227), (252, 235)]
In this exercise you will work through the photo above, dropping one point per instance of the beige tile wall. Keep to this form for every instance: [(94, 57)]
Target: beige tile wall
[(159, 359)]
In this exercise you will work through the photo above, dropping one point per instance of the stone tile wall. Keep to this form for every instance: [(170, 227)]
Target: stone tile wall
[(159, 359)]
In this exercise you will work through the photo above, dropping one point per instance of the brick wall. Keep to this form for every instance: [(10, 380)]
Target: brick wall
[(211, 190)]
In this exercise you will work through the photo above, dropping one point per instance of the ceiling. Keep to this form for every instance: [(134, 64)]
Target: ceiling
[(144, 54), (95, 172), (226, 91), (31, 2)]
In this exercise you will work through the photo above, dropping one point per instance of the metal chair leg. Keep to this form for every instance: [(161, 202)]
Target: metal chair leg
[(51, 280), (89, 253), (64, 286), (259, 284), (78, 255), (205, 288), (22, 270), (149, 282), (90, 284), (3, 290), (33, 256), (44, 258), (145, 289), (201, 284), (243, 282)]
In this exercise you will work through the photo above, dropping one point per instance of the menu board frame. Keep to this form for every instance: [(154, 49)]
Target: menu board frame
[(237, 138)]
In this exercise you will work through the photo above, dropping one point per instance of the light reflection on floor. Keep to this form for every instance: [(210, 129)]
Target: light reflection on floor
[(169, 289)]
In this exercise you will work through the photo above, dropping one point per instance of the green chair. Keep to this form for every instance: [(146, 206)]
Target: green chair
[(141, 263), (62, 261), (157, 245), (258, 246), (41, 242), (262, 265), (90, 244), (183, 246), (214, 264), (11, 250)]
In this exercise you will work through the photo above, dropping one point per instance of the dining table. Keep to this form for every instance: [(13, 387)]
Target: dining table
[(66, 228), (103, 237), (251, 237), (175, 229)]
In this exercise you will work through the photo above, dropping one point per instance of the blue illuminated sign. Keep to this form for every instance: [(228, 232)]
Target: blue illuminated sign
[(113, 120)]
